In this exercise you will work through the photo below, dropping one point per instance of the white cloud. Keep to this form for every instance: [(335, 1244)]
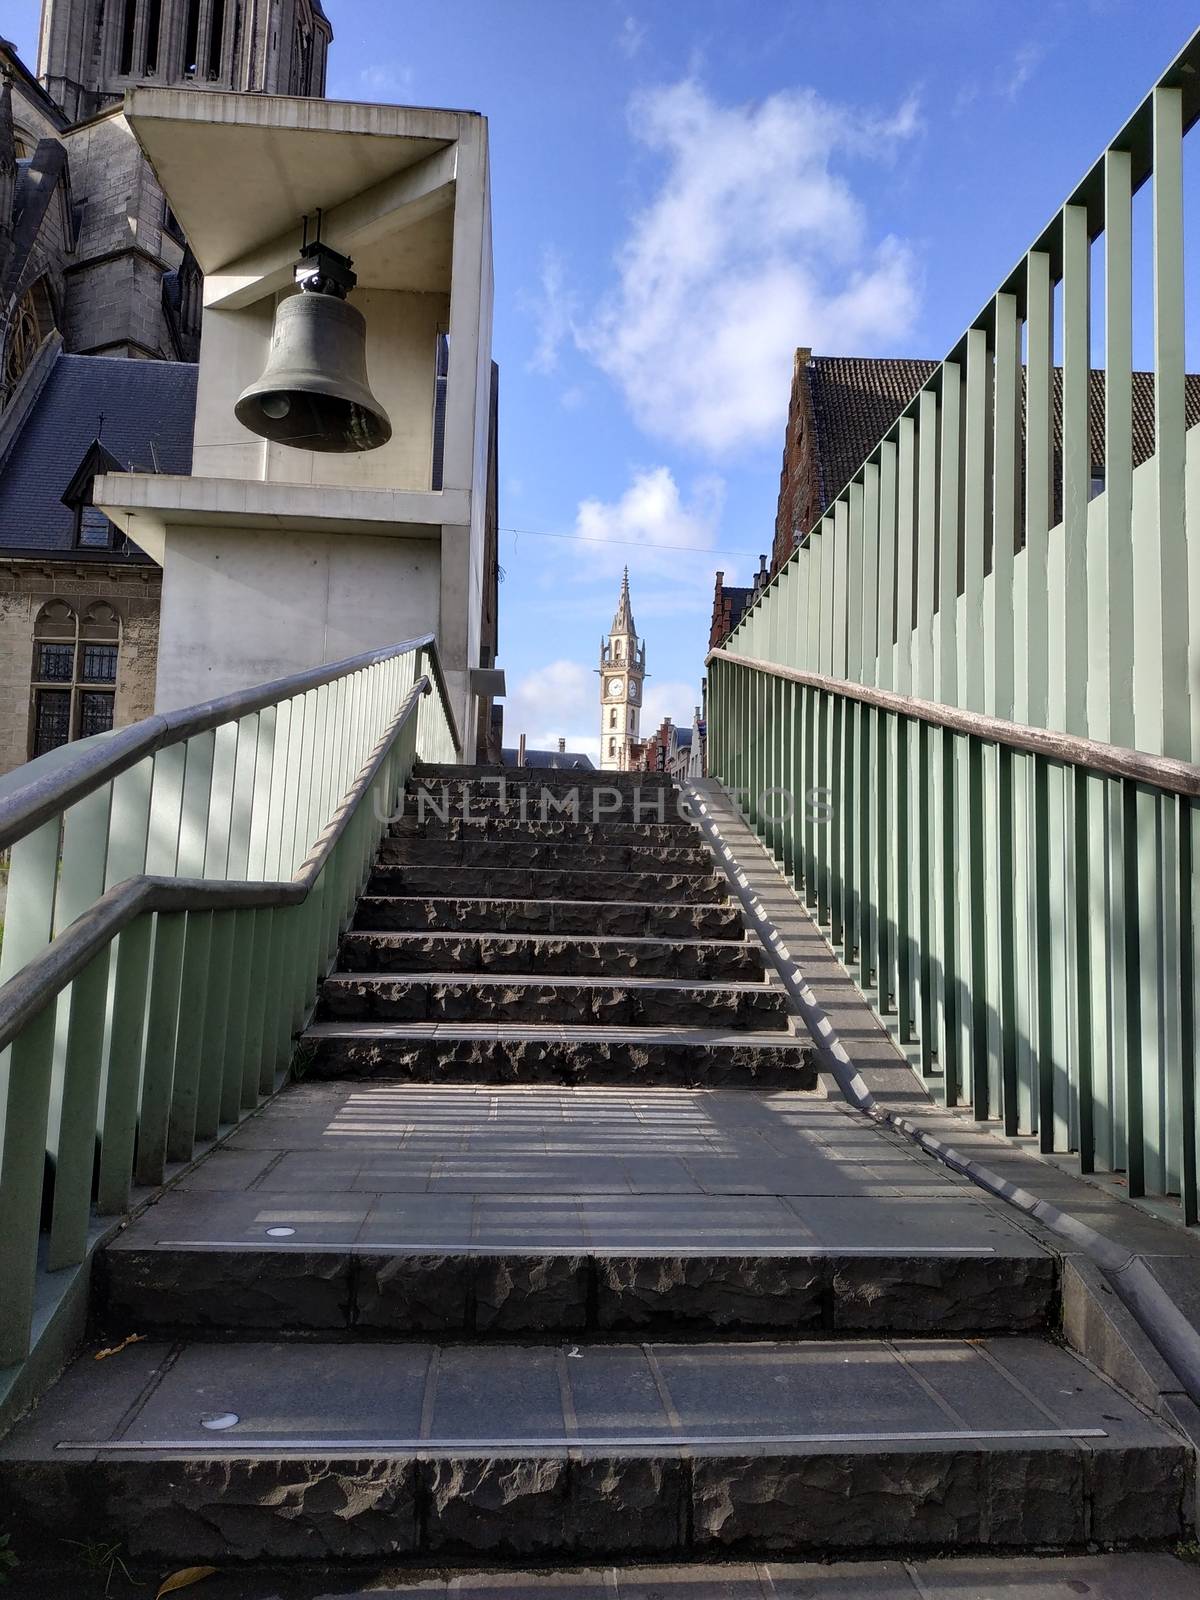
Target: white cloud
[(386, 80), (751, 245), (556, 701), (652, 519), (562, 700), (631, 37), (552, 308), (1024, 65)]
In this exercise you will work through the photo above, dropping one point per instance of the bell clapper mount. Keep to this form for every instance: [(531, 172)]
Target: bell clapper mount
[(314, 393)]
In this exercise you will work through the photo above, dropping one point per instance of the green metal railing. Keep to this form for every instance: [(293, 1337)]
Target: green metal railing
[(176, 892), (1004, 703)]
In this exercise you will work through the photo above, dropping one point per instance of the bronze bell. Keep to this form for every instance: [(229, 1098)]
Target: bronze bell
[(314, 393)]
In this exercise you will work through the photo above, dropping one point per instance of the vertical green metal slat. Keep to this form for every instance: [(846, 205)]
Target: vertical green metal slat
[(233, 1053), (195, 1000), (76, 1143), (162, 1021), (1189, 830), (924, 918), (947, 508), (924, 681), (905, 964), (122, 1090), (889, 582), (1055, 1029), (1039, 443), (1069, 682), (976, 430), (1084, 1051), (907, 554), (868, 768), (166, 811), (256, 1007), (869, 568), (950, 1038), (1112, 658), (1007, 776), (1179, 657), (998, 687), (25, 1081), (978, 993)]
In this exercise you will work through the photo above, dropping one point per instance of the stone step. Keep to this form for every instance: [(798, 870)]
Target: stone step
[(412, 913), (576, 955), (619, 1002), (601, 809), (539, 777), (417, 1286), (551, 855), (483, 1212), (461, 1052), (232, 1452), (678, 834), (560, 883)]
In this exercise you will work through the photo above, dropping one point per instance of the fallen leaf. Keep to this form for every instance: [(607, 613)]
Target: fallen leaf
[(115, 1350), (183, 1579)]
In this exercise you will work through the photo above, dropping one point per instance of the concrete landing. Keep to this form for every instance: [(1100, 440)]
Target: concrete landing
[(469, 1210), (1099, 1577)]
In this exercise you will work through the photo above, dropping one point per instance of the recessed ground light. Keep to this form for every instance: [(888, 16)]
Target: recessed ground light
[(227, 1419), (280, 1233)]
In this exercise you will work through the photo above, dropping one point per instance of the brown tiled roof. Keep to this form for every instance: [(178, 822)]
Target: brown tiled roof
[(856, 399)]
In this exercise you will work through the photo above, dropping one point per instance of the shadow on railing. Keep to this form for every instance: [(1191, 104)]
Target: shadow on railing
[(1018, 905), (176, 892)]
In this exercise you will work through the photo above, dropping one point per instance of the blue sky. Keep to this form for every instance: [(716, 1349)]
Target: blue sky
[(684, 191)]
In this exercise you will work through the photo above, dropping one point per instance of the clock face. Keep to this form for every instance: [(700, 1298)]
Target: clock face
[(614, 686), (633, 691)]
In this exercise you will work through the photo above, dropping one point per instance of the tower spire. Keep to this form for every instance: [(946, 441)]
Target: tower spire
[(623, 621)]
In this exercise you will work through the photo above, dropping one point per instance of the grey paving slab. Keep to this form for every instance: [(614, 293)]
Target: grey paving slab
[(1102, 1577), (510, 1393), (338, 1391), (615, 1169), (318, 1396)]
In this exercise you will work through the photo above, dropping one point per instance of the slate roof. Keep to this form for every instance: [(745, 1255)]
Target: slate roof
[(855, 400), (569, 760), (149, 409)]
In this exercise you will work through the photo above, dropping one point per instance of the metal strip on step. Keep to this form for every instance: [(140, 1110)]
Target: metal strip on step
[(230, 1444), (409, 1247)]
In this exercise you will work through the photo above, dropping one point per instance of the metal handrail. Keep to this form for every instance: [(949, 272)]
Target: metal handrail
[(1139, 766), (44, 797), (27, 994)]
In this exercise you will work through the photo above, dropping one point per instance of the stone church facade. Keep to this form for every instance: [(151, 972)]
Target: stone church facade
[(96, 279)]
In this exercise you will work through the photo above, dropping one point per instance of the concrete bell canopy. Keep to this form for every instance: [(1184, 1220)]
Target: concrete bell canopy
[(320, 555)]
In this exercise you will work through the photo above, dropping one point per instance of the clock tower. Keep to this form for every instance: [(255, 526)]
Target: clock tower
[(622, 673)]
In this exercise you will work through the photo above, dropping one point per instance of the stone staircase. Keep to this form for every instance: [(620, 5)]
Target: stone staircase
[(558, 1253)]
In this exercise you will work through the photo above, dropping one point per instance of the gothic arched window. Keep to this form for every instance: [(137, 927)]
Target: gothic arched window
[(74, 673), (31, 320)]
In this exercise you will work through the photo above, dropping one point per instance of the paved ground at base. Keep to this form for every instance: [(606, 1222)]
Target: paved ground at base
[(1100, 1577)]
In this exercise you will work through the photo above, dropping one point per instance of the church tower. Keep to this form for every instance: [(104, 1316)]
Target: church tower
[(622, 672), (91, 51)]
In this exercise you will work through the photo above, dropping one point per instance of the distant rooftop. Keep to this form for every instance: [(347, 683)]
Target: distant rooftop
[(148, 410), (569, 760)]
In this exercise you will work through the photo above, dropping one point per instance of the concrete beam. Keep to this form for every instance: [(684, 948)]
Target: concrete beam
[(387, 208)]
